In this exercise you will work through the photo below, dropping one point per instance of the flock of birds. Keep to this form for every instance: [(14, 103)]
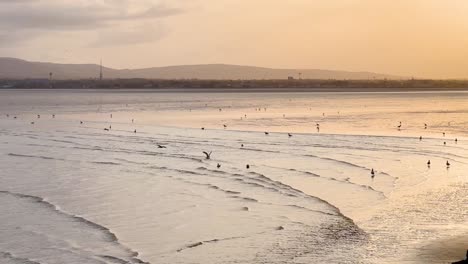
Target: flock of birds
[(317, 125)]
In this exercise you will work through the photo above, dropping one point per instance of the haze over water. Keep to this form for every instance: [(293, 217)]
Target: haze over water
[(75, 193)]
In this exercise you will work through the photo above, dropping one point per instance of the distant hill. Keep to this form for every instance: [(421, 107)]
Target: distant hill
[(20, 69)]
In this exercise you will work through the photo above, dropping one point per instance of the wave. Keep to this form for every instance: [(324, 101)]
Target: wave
[(345, 181), (107, 234), (13, 259), (105, 162), (34, 156), (201, 243)]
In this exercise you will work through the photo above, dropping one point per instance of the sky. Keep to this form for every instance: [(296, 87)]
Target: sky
[(418, 38)]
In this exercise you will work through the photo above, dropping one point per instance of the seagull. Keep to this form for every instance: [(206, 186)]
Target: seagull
[(208, 155), (161, 146), (429, 163), (266, 133), (372, 173), (448, 164), (247, 166), (289, 135), (218, 166)]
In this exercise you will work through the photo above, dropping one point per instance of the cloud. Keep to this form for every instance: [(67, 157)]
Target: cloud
[(23, 19), (130, 36)]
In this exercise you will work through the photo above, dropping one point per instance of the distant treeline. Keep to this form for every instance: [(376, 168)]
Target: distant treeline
[(295, 84)]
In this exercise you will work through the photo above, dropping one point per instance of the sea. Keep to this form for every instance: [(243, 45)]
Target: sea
[(166, 176)]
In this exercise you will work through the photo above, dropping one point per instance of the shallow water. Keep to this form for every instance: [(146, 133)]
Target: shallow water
[(74, 193)]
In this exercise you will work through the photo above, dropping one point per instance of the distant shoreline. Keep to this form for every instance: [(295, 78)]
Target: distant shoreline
[(294, 85)]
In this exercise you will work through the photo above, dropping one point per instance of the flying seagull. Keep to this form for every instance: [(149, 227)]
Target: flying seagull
[(208, 155)]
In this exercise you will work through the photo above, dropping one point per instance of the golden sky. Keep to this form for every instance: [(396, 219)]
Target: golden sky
[(421, 38)]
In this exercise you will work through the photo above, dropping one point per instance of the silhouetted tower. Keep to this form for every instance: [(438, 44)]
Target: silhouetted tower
[(100, 72)]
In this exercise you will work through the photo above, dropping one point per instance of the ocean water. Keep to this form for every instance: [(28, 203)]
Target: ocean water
[(72, 192)]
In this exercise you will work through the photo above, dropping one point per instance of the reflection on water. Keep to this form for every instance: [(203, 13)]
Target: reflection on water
[(102, 196)]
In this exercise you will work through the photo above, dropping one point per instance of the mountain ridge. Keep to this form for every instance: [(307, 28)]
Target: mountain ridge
[(13, 68)]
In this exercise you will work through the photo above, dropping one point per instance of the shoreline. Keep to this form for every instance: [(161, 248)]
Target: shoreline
[(249, 90)]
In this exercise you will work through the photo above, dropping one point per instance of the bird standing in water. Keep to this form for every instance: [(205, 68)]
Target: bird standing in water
[(448, 164), (372, 173), (429, 163), (218, 166), (247, 166)]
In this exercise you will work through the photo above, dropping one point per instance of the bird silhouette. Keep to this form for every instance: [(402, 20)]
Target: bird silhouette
[(266, 133), (208, 155), (289, 135), (247, 166), (161, 146), (218, 166)]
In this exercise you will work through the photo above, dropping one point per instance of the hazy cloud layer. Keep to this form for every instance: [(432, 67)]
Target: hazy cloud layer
[(24, 19)]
